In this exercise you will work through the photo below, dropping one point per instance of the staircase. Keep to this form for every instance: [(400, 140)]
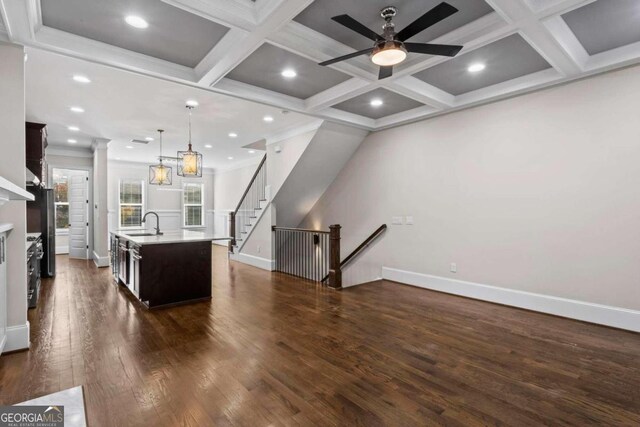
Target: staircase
[(250, 209)]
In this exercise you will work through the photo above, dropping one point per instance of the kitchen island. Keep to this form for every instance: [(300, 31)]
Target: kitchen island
[(163, 270)]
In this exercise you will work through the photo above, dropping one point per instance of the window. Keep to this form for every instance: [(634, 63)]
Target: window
[(131, 205), (61, 200), (193, 205)]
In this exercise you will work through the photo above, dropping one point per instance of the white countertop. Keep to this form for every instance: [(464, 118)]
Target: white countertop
[(171, 236)]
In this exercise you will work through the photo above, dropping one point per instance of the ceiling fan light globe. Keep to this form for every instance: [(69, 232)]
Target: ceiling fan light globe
[(389, 54)]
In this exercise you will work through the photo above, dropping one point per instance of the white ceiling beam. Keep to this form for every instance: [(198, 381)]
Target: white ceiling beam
[(21, 19), (420, 91), (519, 14), (80, 47), (315, 46), (620, 57), (476, 34), (561, 32), (338, 93), (244, 47), (257, 94), (230, 13), (546, 8), (289, 103)]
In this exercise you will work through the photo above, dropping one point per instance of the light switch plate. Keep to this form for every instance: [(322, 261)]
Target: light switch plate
[(396, 220), (408, 220)]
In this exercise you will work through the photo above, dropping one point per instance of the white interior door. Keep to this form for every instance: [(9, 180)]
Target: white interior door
[(78, 214)]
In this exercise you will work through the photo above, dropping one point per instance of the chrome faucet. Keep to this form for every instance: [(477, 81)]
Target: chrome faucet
[(144, 219)]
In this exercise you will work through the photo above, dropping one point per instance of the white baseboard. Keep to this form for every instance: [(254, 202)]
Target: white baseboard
[(100, 261), (589, 312), (62, 250), (17, 337), (263, 263)]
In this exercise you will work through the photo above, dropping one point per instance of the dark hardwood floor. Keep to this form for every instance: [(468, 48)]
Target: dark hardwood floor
[(272, 350)]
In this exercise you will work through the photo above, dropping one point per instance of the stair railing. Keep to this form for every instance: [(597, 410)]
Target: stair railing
[(249, 205), (309, 254), (359, 249)]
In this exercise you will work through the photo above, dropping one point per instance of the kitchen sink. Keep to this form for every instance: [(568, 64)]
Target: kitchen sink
[(142, 234)]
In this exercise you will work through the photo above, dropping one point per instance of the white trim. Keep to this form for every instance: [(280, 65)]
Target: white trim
[(17, 338), (62, 250), (100, 261), (616, 317), (69, 152), (263, 263)]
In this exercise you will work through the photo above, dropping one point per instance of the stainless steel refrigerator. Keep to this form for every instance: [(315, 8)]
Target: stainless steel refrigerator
[(41, 218)]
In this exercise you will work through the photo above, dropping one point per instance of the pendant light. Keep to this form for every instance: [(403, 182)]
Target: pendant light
[(189, 162), (160, 174)]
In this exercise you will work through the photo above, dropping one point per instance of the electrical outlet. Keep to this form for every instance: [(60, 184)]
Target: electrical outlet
[(408, 220), (396, 220), (454, 267), (258, 248)]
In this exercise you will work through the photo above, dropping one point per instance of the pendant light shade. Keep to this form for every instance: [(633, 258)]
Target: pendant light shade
[(160, 174), (189, 162)]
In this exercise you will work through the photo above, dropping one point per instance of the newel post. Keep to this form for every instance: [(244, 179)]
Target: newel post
[(232, 231), (335, 273)]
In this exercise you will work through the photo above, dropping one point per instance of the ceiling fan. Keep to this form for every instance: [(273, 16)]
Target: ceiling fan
[(391, 47)]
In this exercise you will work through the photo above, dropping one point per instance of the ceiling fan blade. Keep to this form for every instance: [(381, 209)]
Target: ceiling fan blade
[(349, 56), (435, 15), (433, 49), (385, 72), (359, 28)]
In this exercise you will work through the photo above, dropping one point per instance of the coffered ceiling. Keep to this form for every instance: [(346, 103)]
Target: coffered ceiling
[(241, 47)]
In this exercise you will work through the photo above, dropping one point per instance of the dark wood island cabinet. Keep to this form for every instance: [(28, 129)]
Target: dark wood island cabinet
[(173, 268)]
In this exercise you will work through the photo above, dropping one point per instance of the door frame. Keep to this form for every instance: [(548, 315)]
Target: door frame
[(89, 170)]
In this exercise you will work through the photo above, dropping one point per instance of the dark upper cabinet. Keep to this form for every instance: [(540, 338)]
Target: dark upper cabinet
[(36, 143)]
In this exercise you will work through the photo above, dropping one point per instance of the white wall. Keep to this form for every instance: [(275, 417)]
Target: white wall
[(12, 167), (228, 187), (168, 204), (537, 193), (279, 166)]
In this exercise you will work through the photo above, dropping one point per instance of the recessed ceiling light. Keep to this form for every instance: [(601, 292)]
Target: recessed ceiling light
[(208, 146), (71, 141), (230, 158), (474, 68), (233, 135), (77, 109), (376, 102), (149, 138), (81, 79), (192, 103), (136, 22), (129, 146), (73, 128), (252, 151), (268, 119), (117, 158), (289, 73)]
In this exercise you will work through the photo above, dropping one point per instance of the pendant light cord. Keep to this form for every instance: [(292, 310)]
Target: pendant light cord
[(190, 108)]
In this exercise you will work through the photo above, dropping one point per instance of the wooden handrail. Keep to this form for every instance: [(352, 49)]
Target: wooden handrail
[(360, 247), (253, 178), (305, 230)]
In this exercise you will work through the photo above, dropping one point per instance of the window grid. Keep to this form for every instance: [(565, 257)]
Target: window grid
[(193, 205), (131, 203)]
